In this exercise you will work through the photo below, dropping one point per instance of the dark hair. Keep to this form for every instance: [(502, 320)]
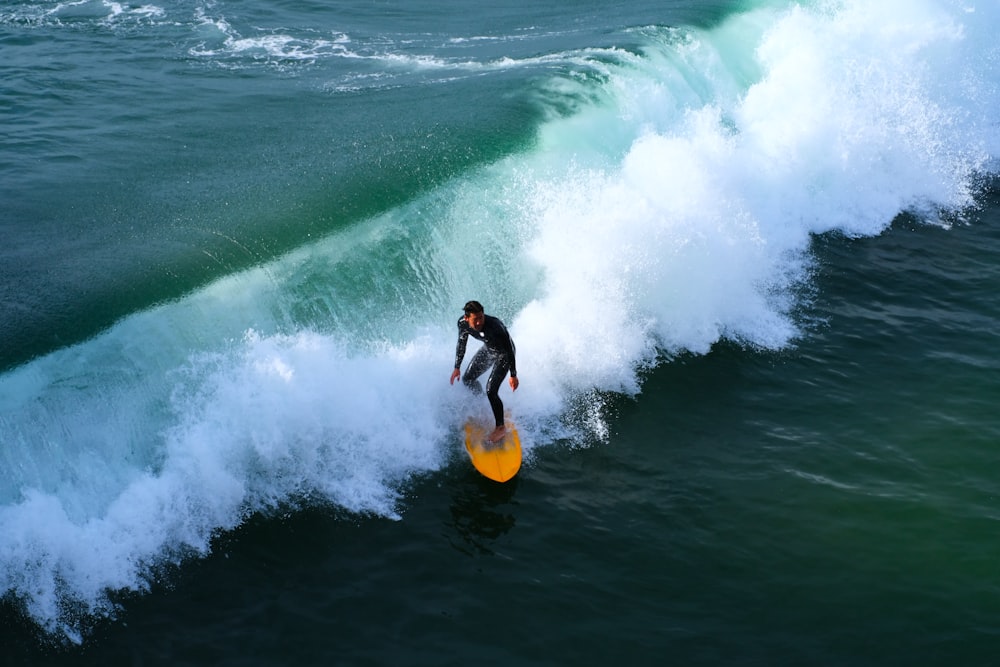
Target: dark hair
[(473, 307)]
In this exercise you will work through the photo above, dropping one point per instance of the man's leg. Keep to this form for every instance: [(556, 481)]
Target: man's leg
[(477, 367), (500, 369)]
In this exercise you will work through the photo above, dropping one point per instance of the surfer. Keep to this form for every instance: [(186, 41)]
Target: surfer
[(497, 351)]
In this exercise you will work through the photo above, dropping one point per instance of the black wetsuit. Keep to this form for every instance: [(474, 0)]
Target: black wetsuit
[(497, 351)]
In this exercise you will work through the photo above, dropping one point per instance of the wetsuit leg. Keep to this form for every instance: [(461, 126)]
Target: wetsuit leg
[(477, 367), (500, 369)]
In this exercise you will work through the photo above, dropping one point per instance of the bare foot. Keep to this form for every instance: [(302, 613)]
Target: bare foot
[(497, 435)]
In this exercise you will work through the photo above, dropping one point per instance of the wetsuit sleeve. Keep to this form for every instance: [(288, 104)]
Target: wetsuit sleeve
[(511, 355), (463, 339)]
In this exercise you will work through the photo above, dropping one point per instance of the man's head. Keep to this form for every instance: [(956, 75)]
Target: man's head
[(474, 315)]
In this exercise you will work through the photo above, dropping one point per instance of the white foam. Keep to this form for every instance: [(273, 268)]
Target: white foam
[(220, 40), (702, 230)]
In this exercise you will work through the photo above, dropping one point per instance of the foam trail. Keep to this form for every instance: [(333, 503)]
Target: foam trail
[(673, 208)]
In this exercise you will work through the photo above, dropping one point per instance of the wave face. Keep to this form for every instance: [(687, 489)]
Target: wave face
[(667, 202)]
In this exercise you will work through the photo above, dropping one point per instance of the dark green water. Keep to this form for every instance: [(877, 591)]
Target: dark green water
[(757, 350)]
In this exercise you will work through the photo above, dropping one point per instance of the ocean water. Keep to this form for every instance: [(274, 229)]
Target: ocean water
[(747, 251)]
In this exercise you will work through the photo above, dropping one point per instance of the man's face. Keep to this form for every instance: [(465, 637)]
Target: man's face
[(476, 320)]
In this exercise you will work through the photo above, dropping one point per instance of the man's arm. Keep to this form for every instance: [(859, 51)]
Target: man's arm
[(506, 346), (513, 363), (511, 352), (512, 359), (463, 339)]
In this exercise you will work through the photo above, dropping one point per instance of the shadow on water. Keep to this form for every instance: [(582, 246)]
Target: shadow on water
[(480, 513)]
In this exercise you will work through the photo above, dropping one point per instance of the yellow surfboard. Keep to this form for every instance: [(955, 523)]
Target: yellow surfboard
[(497, 460)]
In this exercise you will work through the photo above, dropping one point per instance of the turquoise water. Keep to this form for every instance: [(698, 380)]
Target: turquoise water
[(746, 251)]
